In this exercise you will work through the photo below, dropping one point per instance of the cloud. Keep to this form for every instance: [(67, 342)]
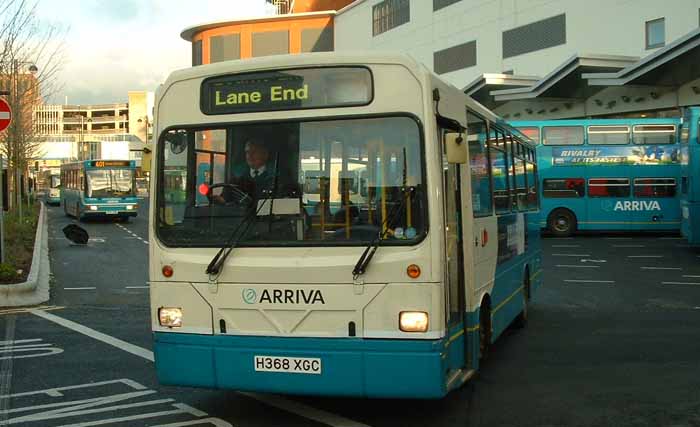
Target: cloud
[(117, 46)]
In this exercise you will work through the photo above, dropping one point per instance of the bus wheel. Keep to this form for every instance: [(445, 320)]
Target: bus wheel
[(484, 330), (562, 223), (521, 320)]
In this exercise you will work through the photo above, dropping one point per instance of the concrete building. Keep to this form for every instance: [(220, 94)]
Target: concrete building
[(483, 46), (295, 27), (525, 59), (72, 132)]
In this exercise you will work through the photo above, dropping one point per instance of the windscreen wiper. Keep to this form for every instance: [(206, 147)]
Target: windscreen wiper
[(366, 257), (215, 265)]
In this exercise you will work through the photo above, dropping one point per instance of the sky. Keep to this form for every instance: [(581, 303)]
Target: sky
[(114, 46)]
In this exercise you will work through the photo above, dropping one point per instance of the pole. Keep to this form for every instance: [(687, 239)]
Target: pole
[(19, 191), (2, 214)]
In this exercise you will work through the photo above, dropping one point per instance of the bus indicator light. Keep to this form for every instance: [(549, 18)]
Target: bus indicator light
[(167, 271), (413, 321), (413, 271)]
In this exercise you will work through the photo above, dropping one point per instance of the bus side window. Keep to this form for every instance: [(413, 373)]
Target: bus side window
[(499, 172), (478, 165)]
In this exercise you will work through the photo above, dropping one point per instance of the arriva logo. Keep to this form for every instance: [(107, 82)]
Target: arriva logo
[(249, 295), (286, 296), (637, 206)]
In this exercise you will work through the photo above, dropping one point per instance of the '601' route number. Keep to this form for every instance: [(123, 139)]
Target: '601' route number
[(292, 365)]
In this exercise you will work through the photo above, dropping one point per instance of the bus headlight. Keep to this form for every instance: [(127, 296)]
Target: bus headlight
[(93, 207), (413, 321), (130, 207), (170, 317)]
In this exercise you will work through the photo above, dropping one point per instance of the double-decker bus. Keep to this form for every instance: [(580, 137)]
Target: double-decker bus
[(49, 183), (690, 175), (396, 240), (99, 188), (607, 174)]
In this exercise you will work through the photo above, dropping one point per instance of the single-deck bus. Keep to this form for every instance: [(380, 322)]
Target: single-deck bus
[(335, 225), (607, 174), (49, 183), (690, 176), (94, 188)]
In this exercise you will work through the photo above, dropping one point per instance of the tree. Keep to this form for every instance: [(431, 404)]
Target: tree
[(31, 54)]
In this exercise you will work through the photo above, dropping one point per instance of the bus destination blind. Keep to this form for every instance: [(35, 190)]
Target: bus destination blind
[(287, 90), (110, 163)]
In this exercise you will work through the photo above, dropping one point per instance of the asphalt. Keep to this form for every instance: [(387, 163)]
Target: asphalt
[(612, 340)]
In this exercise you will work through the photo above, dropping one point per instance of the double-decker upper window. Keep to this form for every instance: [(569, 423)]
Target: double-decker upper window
[(654, 134), (608, 135), (562, 135)]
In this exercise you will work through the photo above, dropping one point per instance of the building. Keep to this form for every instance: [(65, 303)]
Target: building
[(295, 27), (525, 59), (73, 132), (529, 57)]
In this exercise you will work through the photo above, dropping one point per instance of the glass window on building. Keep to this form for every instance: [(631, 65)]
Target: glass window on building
[(655, 33), (389, 14)]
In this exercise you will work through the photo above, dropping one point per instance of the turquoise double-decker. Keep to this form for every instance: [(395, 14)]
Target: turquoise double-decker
[(690, 176), (610, 174), (99, 188)]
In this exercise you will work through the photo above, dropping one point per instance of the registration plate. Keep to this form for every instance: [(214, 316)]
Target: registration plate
[(112, 212), (292, 365)]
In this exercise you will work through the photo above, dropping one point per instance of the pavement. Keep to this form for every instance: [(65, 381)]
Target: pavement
[(612, 340)]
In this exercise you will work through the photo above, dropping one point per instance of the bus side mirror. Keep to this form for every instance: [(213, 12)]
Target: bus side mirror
[(456, 148)]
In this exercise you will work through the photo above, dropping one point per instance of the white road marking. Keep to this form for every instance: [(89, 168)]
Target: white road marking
[(691, 276), (680, 283), (130, 348), (618, 238), (645, 256), (661, 268), (578, 255), (588, 281), (566, 246), (562, 238), (297, 408), (576, 266), (628, 246), (137, 287), (670, 238), (86, 288)]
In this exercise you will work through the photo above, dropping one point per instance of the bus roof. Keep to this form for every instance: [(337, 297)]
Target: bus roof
[(295, 61)]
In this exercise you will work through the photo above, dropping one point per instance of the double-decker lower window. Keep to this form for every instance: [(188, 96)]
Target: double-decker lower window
[(561, 188), (608, 187), (654, 187)]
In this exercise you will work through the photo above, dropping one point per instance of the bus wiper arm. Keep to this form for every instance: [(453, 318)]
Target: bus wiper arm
[(366, 257), (215, 265)]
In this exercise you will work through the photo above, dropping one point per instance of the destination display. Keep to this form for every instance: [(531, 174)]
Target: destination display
[(110, 163), (628, 155), (287, 90)]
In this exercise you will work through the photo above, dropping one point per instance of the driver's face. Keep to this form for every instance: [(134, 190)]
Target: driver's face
[(255, 155)]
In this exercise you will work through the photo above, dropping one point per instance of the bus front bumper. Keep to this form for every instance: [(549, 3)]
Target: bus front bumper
[(109, 210), (348, 366)]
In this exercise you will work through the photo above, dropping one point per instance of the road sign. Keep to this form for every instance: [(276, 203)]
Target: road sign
[(5, 115)]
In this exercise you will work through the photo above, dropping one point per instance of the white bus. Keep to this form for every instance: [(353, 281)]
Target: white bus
[(390, 278)]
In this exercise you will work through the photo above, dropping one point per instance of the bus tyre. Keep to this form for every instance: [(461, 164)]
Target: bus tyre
[(484, 331), (521, 320), (562, 223)]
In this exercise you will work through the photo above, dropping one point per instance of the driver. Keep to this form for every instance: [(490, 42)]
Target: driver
[(256, 176)]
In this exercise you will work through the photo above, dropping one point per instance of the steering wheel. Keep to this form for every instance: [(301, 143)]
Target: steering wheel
[(240, 197)]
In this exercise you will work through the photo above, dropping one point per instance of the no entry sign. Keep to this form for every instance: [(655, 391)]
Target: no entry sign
[(5, 115)]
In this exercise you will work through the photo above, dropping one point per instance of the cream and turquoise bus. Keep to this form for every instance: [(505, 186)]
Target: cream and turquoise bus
[(416, 247)]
